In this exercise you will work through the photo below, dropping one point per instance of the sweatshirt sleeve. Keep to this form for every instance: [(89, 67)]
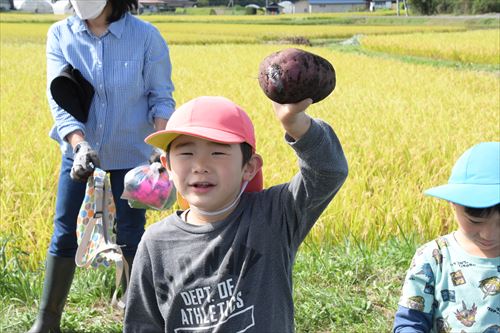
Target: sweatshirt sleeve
[(412, 321), (142, 314), (322, 171)]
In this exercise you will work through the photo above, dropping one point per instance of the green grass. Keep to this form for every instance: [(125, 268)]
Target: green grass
[(344, 288)]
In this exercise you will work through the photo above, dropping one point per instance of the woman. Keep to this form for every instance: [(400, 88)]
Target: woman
[(127, 62)]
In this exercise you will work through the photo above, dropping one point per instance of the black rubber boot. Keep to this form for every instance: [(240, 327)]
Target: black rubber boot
[(130, 260), (59, 273)]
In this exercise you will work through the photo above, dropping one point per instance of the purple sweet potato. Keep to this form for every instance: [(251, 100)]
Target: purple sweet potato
[(292, 75)]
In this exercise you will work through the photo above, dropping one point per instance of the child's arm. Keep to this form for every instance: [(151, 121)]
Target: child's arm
[(323, 170), (293, 117), (416, 305), (412, 321)]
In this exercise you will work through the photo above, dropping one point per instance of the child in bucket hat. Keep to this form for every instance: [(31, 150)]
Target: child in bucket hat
[(225, 263), (453, 283)]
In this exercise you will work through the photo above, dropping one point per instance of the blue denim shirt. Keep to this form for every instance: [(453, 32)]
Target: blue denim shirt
[(130, 70)]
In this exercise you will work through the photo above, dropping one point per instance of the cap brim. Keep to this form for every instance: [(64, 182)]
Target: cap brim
[(162, 139), (469, 195)]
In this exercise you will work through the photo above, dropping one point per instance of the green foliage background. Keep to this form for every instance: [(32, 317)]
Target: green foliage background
[(429, 7)]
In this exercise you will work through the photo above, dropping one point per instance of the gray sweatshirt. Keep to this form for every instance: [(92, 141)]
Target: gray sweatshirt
[(235, 275)]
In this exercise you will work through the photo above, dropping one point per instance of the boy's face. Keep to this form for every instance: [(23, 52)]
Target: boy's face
[(479, 235), (207, 174)]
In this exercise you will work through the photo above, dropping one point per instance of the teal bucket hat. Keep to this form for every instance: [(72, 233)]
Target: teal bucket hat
[(475, 178)]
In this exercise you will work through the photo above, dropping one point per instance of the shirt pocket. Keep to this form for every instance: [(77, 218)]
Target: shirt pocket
[(127, 74)]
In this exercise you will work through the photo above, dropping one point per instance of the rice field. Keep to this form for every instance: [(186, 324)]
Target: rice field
[(237, 33), (402, 125), (224, 33), (478, 46), (202, 15)]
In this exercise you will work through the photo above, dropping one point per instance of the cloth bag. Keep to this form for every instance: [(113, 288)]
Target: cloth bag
[(94, 231)]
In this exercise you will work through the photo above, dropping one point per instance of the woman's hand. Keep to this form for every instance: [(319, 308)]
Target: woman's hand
[(85, 161)]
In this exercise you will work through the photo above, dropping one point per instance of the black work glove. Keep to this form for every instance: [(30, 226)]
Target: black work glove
[(155, 157), (84, 163)]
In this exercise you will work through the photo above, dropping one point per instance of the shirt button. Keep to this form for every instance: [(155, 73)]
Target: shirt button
[(102, 104), (97, 144), (100, 86), (100, 125)]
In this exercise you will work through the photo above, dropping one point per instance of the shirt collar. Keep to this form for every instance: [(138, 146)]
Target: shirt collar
[(77, 25), (116, 28)]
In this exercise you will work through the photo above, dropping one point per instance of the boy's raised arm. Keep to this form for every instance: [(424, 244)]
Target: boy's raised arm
[(293, 117), (322, 164)]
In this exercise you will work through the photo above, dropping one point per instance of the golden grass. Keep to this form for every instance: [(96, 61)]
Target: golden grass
[(27, 17), (198, 33), (478, 46), (402, 127), (179, 32)]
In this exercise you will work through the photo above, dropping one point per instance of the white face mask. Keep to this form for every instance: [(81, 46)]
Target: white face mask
[(88, 9)]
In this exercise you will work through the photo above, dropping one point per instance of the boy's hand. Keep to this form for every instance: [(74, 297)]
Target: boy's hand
[(293, 117)]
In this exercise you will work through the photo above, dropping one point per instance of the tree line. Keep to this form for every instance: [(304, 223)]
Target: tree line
[(431, 7)]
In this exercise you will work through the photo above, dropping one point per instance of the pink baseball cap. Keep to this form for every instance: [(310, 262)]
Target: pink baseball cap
[(213, 118)]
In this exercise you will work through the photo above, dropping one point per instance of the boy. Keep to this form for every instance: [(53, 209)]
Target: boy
[(453, 284), (225, 264)]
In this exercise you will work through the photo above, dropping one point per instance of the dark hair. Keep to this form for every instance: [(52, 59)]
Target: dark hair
[(482, 212), (246, 151), (118, 8)]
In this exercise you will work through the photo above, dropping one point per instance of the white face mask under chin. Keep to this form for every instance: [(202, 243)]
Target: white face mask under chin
[(225, 209), (88, 9)]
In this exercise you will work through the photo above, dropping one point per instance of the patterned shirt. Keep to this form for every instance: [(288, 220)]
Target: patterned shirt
[(129, 68), (460, 291)]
